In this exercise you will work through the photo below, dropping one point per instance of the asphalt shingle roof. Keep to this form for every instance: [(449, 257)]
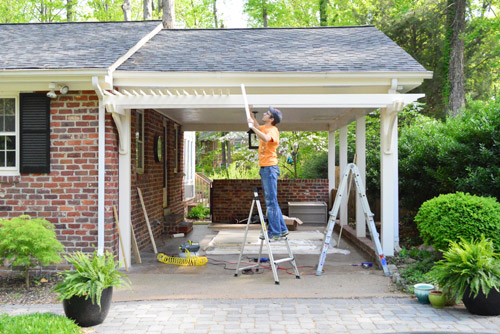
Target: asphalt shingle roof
[(68, 45), (326, 49)]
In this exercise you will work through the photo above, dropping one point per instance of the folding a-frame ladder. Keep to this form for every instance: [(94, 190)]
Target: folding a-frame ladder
[(264, 238), (351, 168)]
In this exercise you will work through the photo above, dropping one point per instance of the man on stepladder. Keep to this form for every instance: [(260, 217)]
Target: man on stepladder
[(269, 138)]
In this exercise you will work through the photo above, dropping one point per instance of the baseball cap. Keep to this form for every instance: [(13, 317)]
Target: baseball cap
[(276, 114)]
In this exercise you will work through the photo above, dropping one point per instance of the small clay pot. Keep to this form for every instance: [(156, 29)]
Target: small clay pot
[(437, 298)]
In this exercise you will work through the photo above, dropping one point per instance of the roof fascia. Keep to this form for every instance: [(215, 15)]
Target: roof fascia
[(31, 80), (406, 80)]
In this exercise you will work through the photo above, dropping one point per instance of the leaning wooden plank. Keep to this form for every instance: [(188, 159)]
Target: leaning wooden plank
[(147, 221), (135, 248), (120, 238)]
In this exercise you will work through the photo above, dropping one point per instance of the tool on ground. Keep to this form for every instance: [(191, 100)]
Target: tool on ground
[(147, 221), (191, 246), (120, 238), (351, 168), (264, 238), (189, 260)]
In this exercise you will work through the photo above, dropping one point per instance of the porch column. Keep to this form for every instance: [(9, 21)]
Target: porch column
[(124, 186), (343, 165), (389, 190), (361, 163), (331, 165)]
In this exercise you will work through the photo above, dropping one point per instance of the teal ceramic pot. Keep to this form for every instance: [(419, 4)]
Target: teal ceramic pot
[(422, 292)]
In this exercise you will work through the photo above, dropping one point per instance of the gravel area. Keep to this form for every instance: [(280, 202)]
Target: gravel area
[(13, 290)]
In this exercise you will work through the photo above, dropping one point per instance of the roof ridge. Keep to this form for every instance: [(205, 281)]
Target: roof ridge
[(79, 22)]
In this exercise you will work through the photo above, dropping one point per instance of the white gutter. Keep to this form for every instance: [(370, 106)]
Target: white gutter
[(101, 168)]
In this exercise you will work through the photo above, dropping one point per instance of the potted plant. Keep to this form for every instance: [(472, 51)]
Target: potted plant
[(437, 298), (471, 271), (86, 292)]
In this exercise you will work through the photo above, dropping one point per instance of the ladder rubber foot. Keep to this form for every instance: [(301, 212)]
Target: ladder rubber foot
[(235, 275), (277, 282), (256, 270), (297, 277)]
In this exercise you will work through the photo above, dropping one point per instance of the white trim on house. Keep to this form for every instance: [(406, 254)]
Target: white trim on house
[(13, 171)]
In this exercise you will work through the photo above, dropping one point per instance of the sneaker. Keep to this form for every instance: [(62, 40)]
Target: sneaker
[(284, 235), (274, 238)]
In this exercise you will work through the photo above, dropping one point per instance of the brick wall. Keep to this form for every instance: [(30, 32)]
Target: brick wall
[(67, 196), (232, 199), (151, 181)]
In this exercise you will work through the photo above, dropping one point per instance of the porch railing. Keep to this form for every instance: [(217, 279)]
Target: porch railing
[(202, 186)]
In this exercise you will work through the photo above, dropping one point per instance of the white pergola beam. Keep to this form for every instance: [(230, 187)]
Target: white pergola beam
[(353, 101)]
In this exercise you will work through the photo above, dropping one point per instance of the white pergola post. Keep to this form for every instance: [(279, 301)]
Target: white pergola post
[(389, 190), (343, 165), (361, 163), (124, 195), (331, 164)]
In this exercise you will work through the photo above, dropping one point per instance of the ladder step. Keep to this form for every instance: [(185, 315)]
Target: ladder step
[(288, 259)]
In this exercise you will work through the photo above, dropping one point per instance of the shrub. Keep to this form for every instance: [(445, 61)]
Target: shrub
[(198, 212), (46, 323), (28, 243), (453, 216)]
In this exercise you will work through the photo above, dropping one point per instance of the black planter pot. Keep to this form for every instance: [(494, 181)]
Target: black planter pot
[(482, 305), (86, 314)]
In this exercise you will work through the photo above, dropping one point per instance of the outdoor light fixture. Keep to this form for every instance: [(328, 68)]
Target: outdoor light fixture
[(253, 139), (63, 89)]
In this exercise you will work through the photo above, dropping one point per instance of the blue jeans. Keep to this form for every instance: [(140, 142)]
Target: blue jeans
[(269, 178)]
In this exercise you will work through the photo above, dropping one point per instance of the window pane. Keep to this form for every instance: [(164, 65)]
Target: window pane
[(2, 111), (11, 158), (2, 122), (10, 123), (11, 142), (2, 158), (9, 107), (2, 143)]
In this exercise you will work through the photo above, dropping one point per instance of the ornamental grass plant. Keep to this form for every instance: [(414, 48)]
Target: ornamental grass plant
[(47, 323), (92, 274)]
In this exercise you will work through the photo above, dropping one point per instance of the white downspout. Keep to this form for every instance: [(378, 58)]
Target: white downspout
[(101, 168)]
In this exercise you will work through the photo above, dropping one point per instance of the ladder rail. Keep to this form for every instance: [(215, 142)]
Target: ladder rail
[(352, 169), (264, 238)]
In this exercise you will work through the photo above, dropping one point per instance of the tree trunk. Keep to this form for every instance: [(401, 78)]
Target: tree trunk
[(127, 10), (457, 47), (323, 19), (228, 143), (223, 146), (215, 15), (69, 10), (147, 7), (264, 13), (168, 14)]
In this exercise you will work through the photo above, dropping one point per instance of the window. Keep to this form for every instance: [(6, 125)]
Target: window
[(139, 142), (9, 156)]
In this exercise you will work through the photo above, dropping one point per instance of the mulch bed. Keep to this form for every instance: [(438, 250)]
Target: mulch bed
[(13, 290)]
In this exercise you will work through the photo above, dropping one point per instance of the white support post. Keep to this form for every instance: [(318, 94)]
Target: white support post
[(331, 164), (101, 178), (361, 163), (389, 191), (343, 165), (124, 176)]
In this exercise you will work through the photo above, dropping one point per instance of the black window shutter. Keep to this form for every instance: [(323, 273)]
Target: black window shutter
[(35, 133)]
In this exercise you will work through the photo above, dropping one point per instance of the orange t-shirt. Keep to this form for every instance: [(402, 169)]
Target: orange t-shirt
[(267, 150)]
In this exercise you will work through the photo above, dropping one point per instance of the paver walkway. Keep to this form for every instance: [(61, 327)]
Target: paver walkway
[(339, 316)]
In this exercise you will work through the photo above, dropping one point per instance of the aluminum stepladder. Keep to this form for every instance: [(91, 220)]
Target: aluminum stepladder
[(360, 190), (264, 239)]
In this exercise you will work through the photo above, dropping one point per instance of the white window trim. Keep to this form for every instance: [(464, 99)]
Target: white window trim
[(140, 169), (13, 171)]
